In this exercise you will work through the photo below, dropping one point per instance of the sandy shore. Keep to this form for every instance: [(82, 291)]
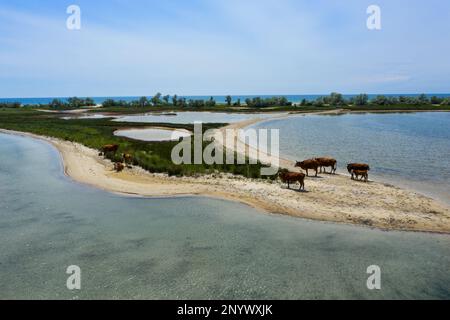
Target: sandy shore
[(328, 198)]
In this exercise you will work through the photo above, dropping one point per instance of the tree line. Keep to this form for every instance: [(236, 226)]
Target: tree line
[(334, 99), (337, 100)]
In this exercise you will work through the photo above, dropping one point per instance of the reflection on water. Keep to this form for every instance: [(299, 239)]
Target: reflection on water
[(188, 248), (411, 149), (191, 117)]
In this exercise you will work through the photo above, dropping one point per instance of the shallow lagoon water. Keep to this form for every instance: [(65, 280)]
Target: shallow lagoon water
[(406, 149), (191, 117), (86, 116), (153, 134), (189, 247)]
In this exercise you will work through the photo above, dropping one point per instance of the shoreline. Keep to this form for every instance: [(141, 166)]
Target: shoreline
[(331, 198)]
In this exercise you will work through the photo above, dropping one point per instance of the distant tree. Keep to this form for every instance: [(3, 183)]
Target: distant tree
[(10, 105), (361, 99), (75, 102), (182, 102), (196, 103), (228, 100), (445, 102), (211, 102), (156, 100), (381, 100), (336, 99), (166, 99), (237, 103), (175, 100), (89, 102), (436, 100), (143, 102), (403, 99), (423, 99), (258, 102), (320, 102), (108, 103), (56, 103)]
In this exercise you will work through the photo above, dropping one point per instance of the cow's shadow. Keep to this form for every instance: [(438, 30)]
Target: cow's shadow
[(294, 189)]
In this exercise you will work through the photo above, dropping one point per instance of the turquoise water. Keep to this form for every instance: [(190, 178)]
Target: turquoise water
[(190, 247), (410, 149)]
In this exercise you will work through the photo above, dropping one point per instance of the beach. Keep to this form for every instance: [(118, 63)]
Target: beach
[(332, 198)]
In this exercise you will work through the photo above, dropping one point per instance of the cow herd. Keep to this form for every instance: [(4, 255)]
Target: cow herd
[(358, 171), (126, 159)]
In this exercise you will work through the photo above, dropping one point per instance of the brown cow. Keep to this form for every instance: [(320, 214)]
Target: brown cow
[(109, 148), (119, 166), (357, 166), (308, 164), (360, 173), (127, 159), (327, 162), (292, 177)]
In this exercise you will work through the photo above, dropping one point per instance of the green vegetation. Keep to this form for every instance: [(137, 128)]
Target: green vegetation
[(94, 133), (10, 105), (267, 102), (72, 103)]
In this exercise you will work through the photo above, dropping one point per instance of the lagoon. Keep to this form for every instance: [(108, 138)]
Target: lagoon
[(191, 117), (153, 134)]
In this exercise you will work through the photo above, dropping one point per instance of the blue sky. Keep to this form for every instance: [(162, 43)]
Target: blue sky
[(203, 47)]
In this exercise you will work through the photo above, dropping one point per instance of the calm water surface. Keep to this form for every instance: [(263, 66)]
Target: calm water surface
[(407, 149), (188, 248), (191, 117), (153, 134)]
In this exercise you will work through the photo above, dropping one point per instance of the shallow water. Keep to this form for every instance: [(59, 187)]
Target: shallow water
[(407, 149), (191, 117), (189, 248), (86, 116), (153, 134)]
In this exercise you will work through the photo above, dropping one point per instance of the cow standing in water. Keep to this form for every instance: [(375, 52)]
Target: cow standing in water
[(327, 162), (310, 164)]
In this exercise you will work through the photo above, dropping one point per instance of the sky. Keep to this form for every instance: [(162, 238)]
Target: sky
[(217, 47)]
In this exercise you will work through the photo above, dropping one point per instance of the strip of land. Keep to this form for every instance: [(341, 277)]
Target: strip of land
[(329, 198)]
